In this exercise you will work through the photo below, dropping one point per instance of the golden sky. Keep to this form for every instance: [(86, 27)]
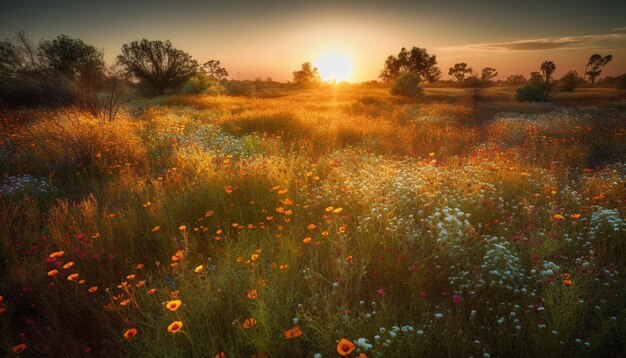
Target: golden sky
[(271, 39)]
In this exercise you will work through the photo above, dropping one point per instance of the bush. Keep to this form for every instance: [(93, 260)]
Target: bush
[(621, 81), (570, 81), (240, 88), (407, 85), (534, 93), (201, 84)]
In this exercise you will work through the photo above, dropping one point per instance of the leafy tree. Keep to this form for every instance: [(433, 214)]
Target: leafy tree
[(516, 79), (416, 61), (570, 80), (594, 66), (459, 71), (72, 57), (475, 84), (157, 64), (214, 70), (407, 85), (307, 76), (547, 68)]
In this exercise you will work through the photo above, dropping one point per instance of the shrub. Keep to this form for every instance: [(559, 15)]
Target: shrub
[(570, 81), (240, 88), (621, 81), (407, 85), (201, 84), (535, 92)]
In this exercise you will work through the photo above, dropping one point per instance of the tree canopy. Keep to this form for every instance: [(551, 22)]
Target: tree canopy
[(214, 70), (416, 61), (157, 63), (595, 64), (307, 76)]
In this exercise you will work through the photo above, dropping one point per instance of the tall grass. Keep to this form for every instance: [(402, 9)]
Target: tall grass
[(398, 226)]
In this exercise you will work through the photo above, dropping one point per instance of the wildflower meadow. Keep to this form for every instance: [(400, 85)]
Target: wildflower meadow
[(339, 221)]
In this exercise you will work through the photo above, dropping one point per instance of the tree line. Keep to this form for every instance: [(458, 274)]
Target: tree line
[(68, 71)]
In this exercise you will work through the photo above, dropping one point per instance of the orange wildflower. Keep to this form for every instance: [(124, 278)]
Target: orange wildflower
[(126, 302), (252, 294), (249, 323), (19, 348), (575, 216), (293, 333), (229, 189), (130, 333), (198, 269), (130, 277), (92, 289), (220, 355), (345, 347), (72, 277), (182, 228), (68, 265), (151, 291), (349, 258), (139, 266), (311, 226), (54, 255), (307, 240), (173, 305), (53, 273), (175, 327), (156, 228)]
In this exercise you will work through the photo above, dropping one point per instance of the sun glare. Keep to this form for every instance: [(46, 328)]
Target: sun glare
[(334, 66)]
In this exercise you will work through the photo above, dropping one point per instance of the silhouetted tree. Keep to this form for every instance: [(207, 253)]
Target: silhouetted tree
[(62, 71), (214, 70), (307, 76), (459, 71), (417, 61), (475, 84), (547, 68), (516, 79), (570, 80), (538, 89), (157, 64), (594, 66)]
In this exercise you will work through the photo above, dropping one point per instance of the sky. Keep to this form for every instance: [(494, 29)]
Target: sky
[(273, 38)]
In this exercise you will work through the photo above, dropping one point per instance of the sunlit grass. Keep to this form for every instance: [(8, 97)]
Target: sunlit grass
[(280, 226)]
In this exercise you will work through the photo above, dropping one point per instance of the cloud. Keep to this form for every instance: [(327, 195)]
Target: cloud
[(551, 43), (619, 29)]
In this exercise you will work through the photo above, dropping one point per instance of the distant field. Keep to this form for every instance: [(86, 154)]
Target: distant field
[(276, 227)]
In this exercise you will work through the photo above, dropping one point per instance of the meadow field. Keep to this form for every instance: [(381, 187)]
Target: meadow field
[(339, 221)]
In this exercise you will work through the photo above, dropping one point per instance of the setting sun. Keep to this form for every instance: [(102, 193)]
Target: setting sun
[(334, 66)]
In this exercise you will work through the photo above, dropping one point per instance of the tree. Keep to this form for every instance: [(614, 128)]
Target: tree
[(516, 79), (214, 70), (459, 71), (538, 88), (72, 57), (307, 76), (547, 68), (417, 61), (157, 64), (407, 85), (475, 84), (594, 66), (570, 80)]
